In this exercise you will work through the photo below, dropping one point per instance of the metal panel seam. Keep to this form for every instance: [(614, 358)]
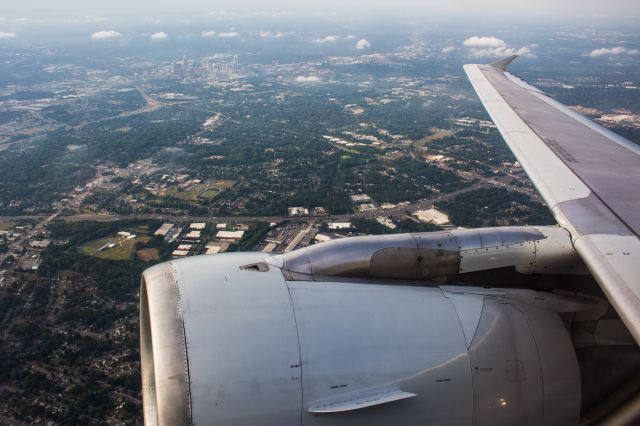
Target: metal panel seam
[(295, 321), (446, 295), (533, 336), (471, 369), (185, 355)]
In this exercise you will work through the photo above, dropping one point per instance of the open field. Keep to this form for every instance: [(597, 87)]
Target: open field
[(122, 250), (208, 193), (181, 195), (205, 190), (5, 225), (148, 254), (437, 134)]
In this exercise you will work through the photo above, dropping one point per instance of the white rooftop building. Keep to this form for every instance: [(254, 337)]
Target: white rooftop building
[(214, 247), (386, 222), (213, 250), (297, 211), (230, 235), (198, 225), (321, 238), (164, 229), (367, 207), (40, 243), (361, 198), (432, 216)]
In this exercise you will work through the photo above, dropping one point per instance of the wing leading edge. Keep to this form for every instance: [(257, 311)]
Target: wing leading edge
[(587, 175)]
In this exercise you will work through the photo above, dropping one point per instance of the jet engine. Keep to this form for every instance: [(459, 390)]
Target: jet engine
[(363, 331)]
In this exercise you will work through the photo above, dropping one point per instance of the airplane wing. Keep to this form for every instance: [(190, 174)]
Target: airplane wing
[(588, 176)]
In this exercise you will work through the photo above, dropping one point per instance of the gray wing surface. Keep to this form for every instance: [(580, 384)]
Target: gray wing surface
[(588, 176)]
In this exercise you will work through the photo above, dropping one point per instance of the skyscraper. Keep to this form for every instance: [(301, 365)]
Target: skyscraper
[(185, 66)]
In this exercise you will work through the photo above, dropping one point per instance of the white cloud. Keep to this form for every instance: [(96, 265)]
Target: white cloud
[(307, 79), (502, 51), (476, 41), (612, 51), (208, 34), (7, 35), (159, 36), (481, 47), (328, 39), (101, 35), (277, 34), (351, 37), (448, 50), (229, 34), (363, 44)]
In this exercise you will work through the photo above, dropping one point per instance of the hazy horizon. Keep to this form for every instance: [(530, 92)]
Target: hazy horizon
[(39, 11)]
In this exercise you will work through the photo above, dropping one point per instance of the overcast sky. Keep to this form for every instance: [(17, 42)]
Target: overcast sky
[(591, 9)]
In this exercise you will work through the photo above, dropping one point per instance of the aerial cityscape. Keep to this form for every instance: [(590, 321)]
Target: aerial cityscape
[(132, 146)]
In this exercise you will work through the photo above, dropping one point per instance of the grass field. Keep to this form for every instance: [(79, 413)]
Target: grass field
[(5, 225), (182, 195), (205, 190), (208, 193), (122, 250), (148, 254), (437, 135)]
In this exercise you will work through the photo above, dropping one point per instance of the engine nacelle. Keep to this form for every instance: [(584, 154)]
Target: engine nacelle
[(227, 344)]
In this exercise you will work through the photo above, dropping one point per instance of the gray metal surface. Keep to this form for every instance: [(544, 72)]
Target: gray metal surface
[(358, 401), (358, 337), (226, 343), (508, 385), (241, 342), (165, 370), (433, 255), (559, 366), (525, 370), (469, 309), (611, 170), (587, 175)]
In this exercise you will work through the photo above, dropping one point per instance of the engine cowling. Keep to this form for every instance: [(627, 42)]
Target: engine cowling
[(226, 342)]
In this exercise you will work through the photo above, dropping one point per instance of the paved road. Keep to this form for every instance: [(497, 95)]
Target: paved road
[(397, 211)]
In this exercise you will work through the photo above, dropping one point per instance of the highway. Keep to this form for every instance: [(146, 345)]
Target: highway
[(396, 211)]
